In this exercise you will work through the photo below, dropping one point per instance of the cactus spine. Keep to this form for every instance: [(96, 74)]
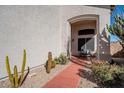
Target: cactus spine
[(9, 71), (15, 80), (16, 76)]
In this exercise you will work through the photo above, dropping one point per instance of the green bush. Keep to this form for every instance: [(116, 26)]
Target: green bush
[(62, 59), (100, 71), (105, 73), (56, 60)]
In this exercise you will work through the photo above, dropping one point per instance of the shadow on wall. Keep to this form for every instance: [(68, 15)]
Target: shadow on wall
[(104, 46)]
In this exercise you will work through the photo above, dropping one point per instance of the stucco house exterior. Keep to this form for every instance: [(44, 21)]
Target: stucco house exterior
[(40, 29)]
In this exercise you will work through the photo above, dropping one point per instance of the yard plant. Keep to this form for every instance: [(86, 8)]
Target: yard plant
[(62, 59), (117, 28), (50, 63), (15, 80), (107, 74)]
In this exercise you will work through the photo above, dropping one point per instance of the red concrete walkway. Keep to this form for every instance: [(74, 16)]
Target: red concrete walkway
[(68, 78)]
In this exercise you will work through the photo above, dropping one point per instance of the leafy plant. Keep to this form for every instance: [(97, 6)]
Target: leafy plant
[(63, 59), (107, 74), (15, 80), (117, 28), (56, 60), (101, 71)]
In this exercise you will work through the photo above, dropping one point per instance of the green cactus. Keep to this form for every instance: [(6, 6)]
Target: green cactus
[(9, 71), (16, 76), (23, 67), (15, 80), (50, 63), (53, 64)]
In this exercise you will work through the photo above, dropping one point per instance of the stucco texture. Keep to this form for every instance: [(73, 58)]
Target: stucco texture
[(39, 29), (35, 28)]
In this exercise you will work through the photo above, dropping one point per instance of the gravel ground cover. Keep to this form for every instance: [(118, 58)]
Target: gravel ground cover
[(37, 77), (87, 80)]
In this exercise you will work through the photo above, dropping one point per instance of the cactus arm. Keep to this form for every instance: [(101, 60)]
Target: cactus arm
[(23, 67), (24, 62), (16, 76), (9, 71)]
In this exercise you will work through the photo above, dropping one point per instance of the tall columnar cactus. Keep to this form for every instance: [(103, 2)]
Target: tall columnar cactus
[(9, 71), (15, 80)]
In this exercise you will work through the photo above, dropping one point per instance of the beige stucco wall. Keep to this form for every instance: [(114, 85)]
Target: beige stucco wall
[(68, 12), (35, 28), (39, 29)]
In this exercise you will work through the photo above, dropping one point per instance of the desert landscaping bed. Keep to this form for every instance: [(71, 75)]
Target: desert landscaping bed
[(87, 80), (37, 77), (102, 74)]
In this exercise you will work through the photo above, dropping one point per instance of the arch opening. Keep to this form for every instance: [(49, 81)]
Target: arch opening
[(84, 33)]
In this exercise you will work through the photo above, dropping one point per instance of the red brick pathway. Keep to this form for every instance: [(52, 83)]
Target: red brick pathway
[(68, 78)]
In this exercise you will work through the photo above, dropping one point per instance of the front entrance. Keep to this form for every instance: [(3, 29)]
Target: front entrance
[(83, 36)]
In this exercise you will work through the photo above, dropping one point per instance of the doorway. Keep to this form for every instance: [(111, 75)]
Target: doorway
[(83, 36)]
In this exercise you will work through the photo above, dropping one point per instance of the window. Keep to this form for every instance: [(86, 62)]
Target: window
[(86, 43), (86, 32)]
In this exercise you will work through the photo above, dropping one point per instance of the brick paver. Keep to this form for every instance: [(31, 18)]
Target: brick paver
[(68, 78)]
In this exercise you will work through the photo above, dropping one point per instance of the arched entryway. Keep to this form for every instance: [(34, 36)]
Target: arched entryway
[(84, 34)]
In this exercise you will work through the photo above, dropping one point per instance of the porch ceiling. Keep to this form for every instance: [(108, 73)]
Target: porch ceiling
[(84, 22)]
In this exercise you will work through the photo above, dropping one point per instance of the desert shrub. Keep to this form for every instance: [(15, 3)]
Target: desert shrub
[(63, 59), (56, 60), (100, 71), (107, 74)]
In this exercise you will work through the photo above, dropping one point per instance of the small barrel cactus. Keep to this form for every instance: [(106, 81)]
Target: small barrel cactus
[(50, 63)]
